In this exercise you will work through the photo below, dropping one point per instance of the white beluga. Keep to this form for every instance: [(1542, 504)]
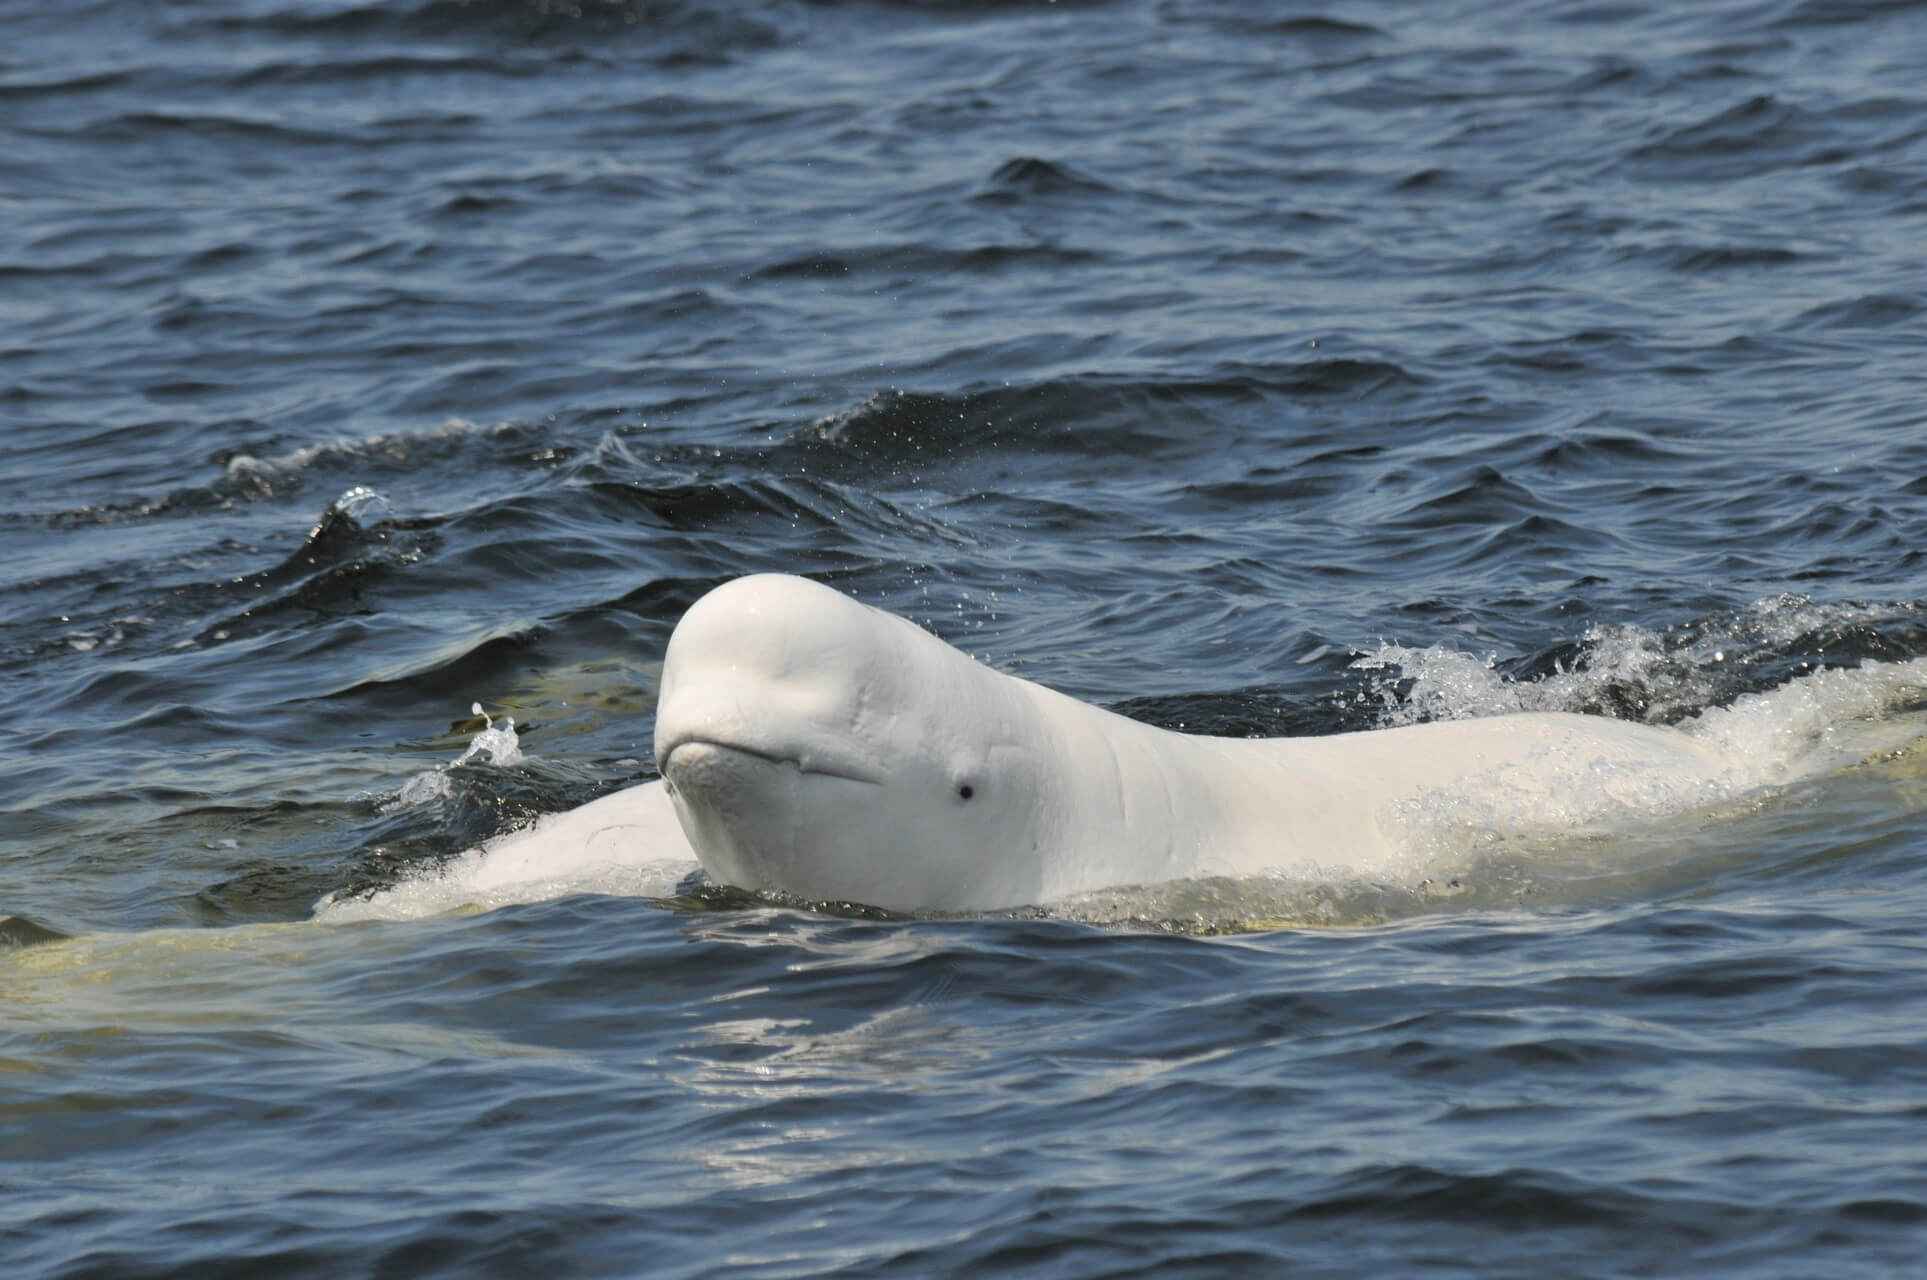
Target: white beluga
[(817, 747)]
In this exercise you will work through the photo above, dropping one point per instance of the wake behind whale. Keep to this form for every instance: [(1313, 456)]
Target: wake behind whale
[(819, 749)]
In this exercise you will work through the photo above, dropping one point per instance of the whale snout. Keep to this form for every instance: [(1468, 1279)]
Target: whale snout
[(690, 754), (767, 734), (808, 723), (766, 823)]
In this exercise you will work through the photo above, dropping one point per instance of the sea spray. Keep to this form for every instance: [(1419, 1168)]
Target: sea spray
[(1634, 673), (500, 745)]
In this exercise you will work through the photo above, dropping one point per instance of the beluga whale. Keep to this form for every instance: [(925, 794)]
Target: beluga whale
[(817, 747)]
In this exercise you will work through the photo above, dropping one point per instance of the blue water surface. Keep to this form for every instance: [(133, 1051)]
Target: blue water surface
[(360, 363)]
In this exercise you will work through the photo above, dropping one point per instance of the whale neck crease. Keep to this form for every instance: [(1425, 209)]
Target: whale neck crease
[(1152, 804)]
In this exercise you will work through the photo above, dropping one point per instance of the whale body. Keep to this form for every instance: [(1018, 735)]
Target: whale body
[(817, 747)]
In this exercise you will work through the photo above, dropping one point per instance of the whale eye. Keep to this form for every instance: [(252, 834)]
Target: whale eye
[(965, 791)]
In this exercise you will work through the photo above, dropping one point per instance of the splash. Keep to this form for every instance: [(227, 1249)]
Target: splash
[(500, 745), (1631, 672), (1821, 723), (360, 503)]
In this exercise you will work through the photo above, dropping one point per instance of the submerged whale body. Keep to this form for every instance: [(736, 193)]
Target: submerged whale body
[(814, 746)]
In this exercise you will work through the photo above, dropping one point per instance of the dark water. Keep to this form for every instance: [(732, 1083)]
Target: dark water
[(360, 363)]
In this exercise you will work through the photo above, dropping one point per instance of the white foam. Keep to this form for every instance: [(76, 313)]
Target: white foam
[(1446, 684), (423, 788), (1820, 723), (1669, 678)]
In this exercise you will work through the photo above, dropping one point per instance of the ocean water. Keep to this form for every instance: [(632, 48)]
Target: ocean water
[(373, 375)]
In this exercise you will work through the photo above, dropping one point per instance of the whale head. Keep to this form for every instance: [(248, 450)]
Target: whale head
[(817, 747)]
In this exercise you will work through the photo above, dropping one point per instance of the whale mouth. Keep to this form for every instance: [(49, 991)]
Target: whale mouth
[(806, 763)]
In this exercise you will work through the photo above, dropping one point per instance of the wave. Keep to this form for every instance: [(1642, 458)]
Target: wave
[(259, 472), (18, 932), (1110, 416), (667, 32)]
